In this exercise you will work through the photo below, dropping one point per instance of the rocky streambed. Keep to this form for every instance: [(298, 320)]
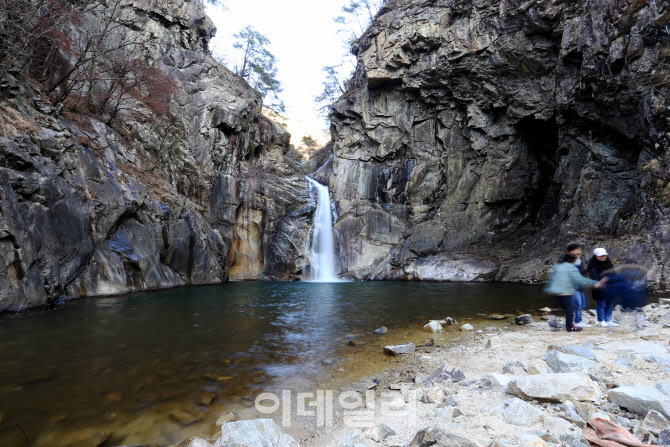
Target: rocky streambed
[(517, 385)]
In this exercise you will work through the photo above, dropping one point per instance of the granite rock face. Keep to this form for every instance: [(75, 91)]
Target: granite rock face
[(480, 137), (215, 192)]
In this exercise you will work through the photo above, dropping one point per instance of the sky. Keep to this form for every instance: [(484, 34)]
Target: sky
[(303, 38)]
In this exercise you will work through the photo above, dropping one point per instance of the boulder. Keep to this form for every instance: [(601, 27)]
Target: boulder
[(641, 399), (524, 319), (651, 352), (517, 412), (255, 433), (445, 372), (655, 422), (498, 381), (450, 321), (558, 387), (380, 432), (467, 327), (433, 326), (437, 437), (560, 362), (558, 426), (399, 349), (579, 351), (631, 361), (381, 330)]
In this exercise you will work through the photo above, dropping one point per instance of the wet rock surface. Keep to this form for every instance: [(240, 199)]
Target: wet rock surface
[(480, 137)]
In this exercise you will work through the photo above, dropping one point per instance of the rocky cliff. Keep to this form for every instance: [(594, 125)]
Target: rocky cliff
[(86, 208), (482, 136)]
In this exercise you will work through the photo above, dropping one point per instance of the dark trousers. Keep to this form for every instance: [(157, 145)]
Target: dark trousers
[(568, 303)]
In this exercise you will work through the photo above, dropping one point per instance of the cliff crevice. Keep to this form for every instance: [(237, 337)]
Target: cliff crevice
[(478, 138)]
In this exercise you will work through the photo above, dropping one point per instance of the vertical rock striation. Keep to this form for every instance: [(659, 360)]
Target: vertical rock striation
[(479, 137), (88, 209)]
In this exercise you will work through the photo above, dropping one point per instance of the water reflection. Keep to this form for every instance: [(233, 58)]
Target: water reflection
[(85, 361)]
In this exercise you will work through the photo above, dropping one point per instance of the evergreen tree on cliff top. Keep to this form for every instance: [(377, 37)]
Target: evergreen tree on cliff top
[(258, 67), (356, 17)]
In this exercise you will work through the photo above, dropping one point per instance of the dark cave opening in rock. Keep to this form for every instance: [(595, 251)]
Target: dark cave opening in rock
[(541, 140)]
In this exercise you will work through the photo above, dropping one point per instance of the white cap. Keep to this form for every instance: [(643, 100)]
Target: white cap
[(600, 252)]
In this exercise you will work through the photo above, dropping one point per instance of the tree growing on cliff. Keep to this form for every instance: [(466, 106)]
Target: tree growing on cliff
[(310, 144), (31, 31), (355, 17), (258, 67), (334, 86)]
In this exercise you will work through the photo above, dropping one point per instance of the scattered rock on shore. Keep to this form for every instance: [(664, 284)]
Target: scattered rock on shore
[(524, 319), (255, 433), (433, 326), (445, 373), (380, 432), (641, 399), (651, 352), (399, 349), (560, 362), (436, 437), (655, 422), (556, 387), (517, 412)]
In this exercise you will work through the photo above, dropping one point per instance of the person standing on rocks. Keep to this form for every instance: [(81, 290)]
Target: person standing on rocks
[(628, 284), (564, 280), (597, 265), (578, 297)]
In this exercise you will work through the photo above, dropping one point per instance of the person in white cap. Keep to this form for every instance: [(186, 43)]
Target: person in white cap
[(598, 264)]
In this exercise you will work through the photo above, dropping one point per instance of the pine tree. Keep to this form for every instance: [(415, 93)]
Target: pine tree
[(258, 66), (310, 144), (355, 19)]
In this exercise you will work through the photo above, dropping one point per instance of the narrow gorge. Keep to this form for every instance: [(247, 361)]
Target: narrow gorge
[(475, 140)]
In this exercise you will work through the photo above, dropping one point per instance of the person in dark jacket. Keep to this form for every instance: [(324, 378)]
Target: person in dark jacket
[(579, 304), (628, 284), (597, 265)]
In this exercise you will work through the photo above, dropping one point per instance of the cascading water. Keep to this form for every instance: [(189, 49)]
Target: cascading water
[(323, 247)]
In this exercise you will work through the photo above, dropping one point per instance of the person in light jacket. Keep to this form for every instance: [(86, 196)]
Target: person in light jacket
[(564, 280)]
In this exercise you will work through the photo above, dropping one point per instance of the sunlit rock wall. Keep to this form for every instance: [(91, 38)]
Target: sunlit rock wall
[(482, 136), (215, 192)]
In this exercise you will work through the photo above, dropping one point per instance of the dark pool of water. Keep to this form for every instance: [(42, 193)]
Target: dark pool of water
[(92, 360)]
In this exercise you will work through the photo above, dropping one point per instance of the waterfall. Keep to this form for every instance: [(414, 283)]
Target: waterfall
[(323, 247)]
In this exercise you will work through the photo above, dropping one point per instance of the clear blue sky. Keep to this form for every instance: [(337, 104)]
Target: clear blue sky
[(303, 38)]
